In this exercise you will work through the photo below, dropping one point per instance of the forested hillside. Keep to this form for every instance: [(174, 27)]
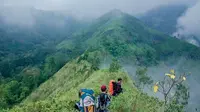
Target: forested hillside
[(28, 55), (27, 64), (125, 37)]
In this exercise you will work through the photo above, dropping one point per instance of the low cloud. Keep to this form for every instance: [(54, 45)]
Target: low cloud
[(189, 23), (20, 12)]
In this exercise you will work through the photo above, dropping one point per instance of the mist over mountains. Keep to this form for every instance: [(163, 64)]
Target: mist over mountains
[(178, 20), (39, 38), (184, 16)]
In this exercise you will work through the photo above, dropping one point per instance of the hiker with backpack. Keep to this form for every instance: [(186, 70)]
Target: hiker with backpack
[(119, 86), (103, 100), (87, 101), (115, 88)]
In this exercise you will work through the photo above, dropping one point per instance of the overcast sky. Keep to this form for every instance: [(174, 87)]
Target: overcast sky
[(188, 23), (94, 7)]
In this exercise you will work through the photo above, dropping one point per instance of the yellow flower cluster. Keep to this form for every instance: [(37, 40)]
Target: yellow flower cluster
[(170, 75), (155, 87)]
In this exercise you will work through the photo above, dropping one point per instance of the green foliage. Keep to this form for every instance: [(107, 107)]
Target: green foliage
[(30, 70), (50, 66), (15, 89), (182, 94), (116, 47), (92, 57), (11, 93), (174, 107), (115, 66)]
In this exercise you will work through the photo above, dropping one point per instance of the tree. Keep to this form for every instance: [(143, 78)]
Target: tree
[(142, 78), (12, 92), (50, 66), (3, 102), (115, 66), (172, 83), (94, 59), (91, 57), (182, 94)]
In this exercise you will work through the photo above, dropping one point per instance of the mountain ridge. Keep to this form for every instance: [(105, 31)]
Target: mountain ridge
[(63, 97), (129, 33)]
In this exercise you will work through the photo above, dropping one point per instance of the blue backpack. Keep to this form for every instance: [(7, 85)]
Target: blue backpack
[(87, 100)]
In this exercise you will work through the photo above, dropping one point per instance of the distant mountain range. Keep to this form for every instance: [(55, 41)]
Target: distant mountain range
[(164, 19)]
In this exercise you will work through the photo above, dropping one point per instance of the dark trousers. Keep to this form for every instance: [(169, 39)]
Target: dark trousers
[(103, 110)]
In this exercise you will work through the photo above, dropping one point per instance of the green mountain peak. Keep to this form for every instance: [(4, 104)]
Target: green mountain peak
[(115, 13), (125, 37)]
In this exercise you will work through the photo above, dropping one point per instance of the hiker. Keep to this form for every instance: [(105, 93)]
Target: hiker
[(103, 100), (115, 88), (119, 86), (87, 101)]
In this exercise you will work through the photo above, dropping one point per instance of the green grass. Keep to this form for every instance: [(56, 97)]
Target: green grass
[(61, 92)]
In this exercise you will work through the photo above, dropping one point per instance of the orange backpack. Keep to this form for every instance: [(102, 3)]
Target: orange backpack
[(111, 87)]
